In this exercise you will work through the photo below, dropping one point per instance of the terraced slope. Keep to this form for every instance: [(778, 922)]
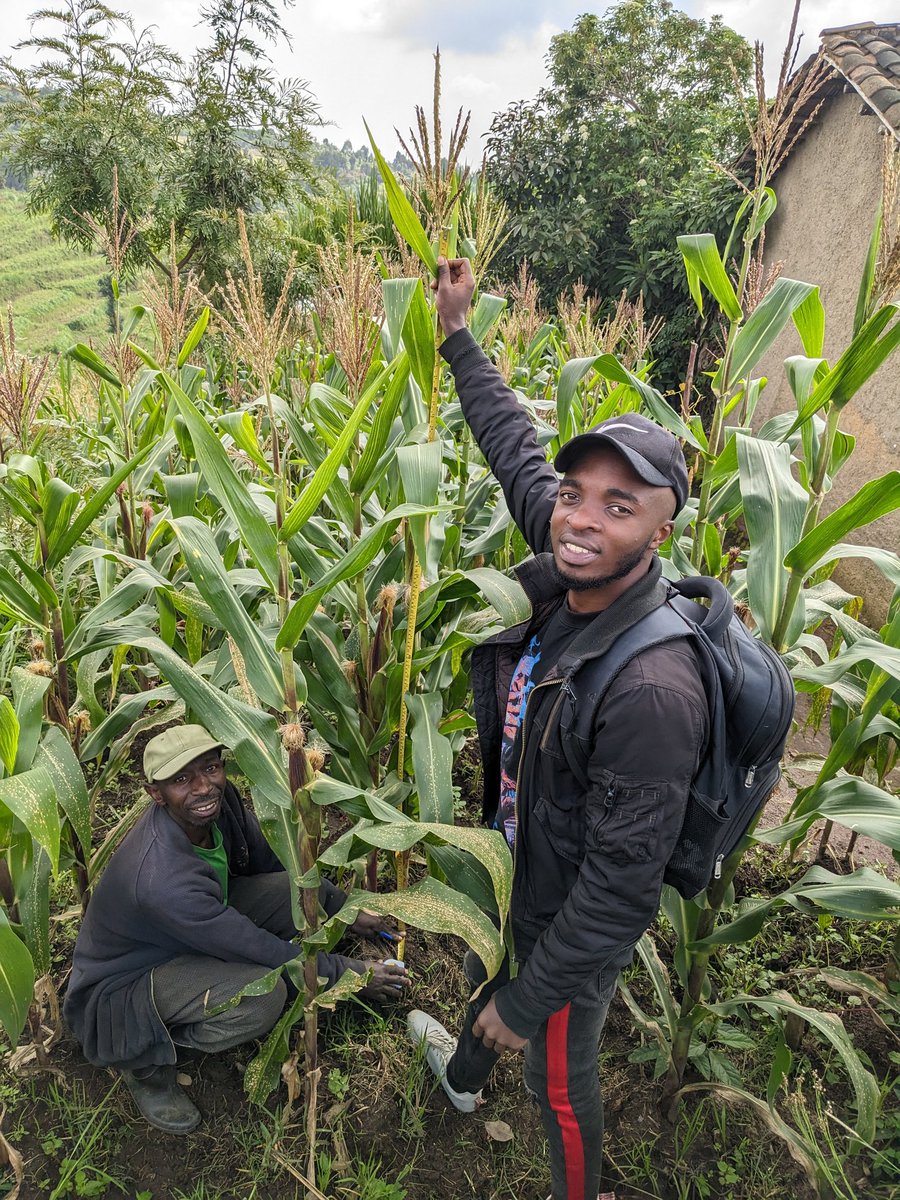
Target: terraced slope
[(55, 291)]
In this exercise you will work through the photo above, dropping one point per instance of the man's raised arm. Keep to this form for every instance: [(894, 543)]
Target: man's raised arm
[(501, 426)]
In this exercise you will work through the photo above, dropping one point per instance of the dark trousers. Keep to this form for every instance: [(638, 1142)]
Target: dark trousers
[(560, 1072), (189, 986)]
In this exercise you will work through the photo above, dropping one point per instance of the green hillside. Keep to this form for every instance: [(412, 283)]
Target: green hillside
[(55, 291)]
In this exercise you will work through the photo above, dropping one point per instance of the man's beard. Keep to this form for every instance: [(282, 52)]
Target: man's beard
[(588, 584)]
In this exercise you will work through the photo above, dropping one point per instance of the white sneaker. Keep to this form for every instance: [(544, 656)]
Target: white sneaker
[(440, 1048)]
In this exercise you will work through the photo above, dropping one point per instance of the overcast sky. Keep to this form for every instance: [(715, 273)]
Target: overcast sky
[(373, 58)]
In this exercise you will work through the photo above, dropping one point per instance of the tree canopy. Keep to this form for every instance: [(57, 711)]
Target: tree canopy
[(612, 160), (192, 142)]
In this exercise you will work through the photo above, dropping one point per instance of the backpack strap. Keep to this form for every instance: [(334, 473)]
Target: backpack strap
[(663, 624)]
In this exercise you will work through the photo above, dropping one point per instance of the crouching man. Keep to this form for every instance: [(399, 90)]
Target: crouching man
[(193, 906)]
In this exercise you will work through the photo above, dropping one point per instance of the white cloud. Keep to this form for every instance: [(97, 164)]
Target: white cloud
[(374, 57)]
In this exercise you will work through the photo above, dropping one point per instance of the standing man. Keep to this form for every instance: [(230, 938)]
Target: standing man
[(589, 852), (192, 907)]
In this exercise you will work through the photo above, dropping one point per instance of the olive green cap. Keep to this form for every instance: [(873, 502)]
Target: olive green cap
[(167, 753)]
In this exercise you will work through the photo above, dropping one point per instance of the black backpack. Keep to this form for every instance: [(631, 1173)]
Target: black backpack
[(751, 704)]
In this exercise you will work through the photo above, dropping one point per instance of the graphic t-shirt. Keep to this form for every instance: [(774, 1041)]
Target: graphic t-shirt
[(541, 653), (217, 859)]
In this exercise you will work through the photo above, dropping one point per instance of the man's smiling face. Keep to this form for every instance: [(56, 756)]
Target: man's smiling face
[(193, 795), (605, 527)]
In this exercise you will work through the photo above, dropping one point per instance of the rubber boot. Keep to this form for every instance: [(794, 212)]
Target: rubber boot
[(161, 1100)]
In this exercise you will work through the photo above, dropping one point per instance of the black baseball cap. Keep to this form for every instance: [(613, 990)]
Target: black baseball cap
[(654, 453)]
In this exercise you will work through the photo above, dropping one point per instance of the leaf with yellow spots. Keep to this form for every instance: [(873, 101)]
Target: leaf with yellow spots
[(16, 981), (31, 797), (431, 905)]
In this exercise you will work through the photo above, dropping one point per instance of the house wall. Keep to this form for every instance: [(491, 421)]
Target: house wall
[(828, 193)]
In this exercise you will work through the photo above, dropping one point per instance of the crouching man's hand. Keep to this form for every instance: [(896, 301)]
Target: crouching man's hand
[(388, 981), (372, 926), (494, 1033)]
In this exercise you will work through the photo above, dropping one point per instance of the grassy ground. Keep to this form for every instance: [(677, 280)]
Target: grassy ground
[(56, 292), (387, 1133)]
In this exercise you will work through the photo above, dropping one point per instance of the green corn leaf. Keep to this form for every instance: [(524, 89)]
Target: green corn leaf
[(239, 425), (263, 1072), (875, 499), (504, 594), (781, 1065), (381, 805), (28, 700), (420, 470), (867, 282), (31, 796), (192, 340), (769, 1119), (56, 756), (311, 496), (9, 735), (763, 326), (803, 374), (768, 202), (464, 874), (860, 807), (87, 515), (43, 587), (58, 502), (30, 869), (207, 571), (225, 483), (712, 550), (380, 431), (398, 294), (659, 977), (860, 984), (809, 321), (354, 561), (703, 265), (485, 316), (885, 560), (433, 906), (27, 465), (402, 212), (418, 338), (88, 358), (20, 500), (774, 510), (126, 713), (486, 847), (865, 895), (866, 650), (831, 1027), (865, 354), (145, 356), (181, 492), (432, 758), (656, 405), (17, 602), (120, 602), (16, 981)]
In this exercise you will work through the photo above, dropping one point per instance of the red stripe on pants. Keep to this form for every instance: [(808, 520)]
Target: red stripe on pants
[(558, 1095)]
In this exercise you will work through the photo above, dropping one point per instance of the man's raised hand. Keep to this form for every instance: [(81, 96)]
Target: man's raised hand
[(455, 286)]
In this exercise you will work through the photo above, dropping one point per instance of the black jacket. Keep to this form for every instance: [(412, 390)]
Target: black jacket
[(156, 900), (589, 861)]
